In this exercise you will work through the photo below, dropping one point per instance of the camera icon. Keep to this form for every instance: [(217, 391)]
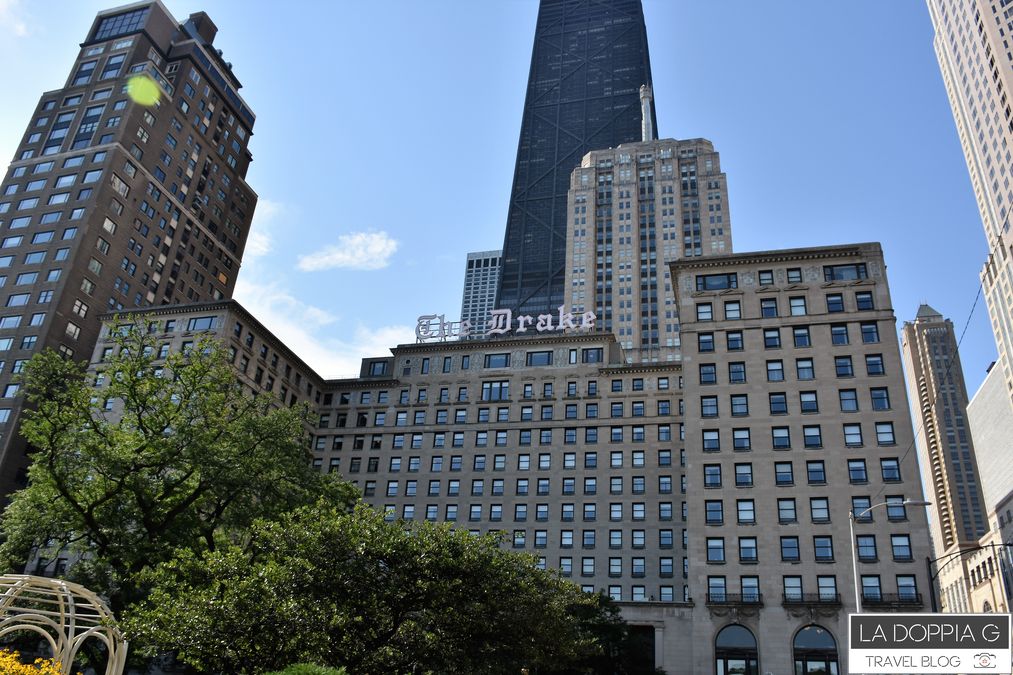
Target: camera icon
[(984, 660)]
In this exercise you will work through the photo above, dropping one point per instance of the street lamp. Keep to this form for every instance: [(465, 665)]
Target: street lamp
[(854, 554)]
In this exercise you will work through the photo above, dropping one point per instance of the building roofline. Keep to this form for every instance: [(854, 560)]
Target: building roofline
[(231, 305), (779, 255)]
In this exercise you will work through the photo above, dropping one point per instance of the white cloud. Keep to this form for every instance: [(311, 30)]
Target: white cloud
[(317, 336), (12, 21), (260, 241), (357, 251)]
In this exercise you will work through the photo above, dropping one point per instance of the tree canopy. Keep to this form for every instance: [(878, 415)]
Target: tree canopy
[(351, 589), (146, 455)]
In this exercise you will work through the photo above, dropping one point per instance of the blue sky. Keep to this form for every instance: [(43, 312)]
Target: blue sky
[(386, 134)]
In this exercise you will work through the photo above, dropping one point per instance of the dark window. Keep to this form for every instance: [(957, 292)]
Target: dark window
[(497, 360), (539, 358)]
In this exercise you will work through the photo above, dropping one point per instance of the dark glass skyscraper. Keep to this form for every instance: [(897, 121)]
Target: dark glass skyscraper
[(588, 62)]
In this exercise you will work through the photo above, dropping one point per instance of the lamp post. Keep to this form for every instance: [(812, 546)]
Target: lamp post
[(854, 553)]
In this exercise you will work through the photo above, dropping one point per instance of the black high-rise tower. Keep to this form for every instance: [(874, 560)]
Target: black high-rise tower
[(589, 59)]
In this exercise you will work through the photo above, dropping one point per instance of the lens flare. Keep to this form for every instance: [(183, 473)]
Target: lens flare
[(143, 90)]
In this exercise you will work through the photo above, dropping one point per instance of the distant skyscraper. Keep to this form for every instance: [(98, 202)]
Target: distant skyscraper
[(632, 210), (946, 452), (481, 278), (972, 45), (588, 63), (113, 203)]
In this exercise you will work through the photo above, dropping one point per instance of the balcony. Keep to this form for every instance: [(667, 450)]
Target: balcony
[(735, 599), (805, 599), (892, 600)]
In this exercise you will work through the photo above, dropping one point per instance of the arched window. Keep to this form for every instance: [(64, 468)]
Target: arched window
[(735, 651), (815, 651), (987, 608)]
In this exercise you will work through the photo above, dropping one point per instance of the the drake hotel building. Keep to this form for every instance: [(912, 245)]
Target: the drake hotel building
[(709, 496)]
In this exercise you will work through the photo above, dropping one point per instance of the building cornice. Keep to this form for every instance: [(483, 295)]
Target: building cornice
[(789, 255)]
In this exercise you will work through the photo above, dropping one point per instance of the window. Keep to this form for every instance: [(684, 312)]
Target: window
[(792, 588), (863, 301), (768, 307), (890, 468), (747, 550), (870, 332), (900, 544), (538, 358), (804, 369), (736, 372), (880, 398), (708, 375), (866, 545), (824, 548), (874, 364), (733, 310), (780, 438), (786, 512), (870, 587), (800, 335), (497, 360), (716, 282), (907, 588), (714, 512), (812, 436), (772, 338), (843, 366), (733, 341), (857, 473), (861, 509), (778, 404), (849, 400), (819, 509), (816, 472), (775, 371), (715, 549), (797, 306), (808, 402), (711, 440), (895, 508), (835, 302), (740, 405), (746, 511), (705, 342), (853, 435), (850, 272), (704, 311), (766, 277), (708, 406), (783, 473), (740, 439), (790, 549), (712, 475), (743, 475), (884, 433)]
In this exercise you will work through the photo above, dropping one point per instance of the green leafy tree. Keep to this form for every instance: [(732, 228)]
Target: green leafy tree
[(149, 455), (353, 590)]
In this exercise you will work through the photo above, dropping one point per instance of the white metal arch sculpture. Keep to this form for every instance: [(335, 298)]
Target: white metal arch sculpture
[(65, 614)]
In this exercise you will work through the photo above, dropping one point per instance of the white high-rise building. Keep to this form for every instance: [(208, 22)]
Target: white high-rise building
[(481, 279)]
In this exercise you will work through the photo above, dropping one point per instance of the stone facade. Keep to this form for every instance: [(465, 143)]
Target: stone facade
[(632, 209)]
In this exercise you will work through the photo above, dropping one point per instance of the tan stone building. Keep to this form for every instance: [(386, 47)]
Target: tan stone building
[(946, 451), (795, 418), (633, 209), (668, 486)]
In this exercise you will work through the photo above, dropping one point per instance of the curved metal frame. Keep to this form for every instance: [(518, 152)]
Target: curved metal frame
[(65, 614)]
